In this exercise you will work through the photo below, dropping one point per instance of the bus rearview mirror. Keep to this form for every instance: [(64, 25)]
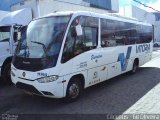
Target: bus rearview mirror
[(17, 36)]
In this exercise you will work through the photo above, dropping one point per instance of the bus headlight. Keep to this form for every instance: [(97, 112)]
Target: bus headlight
[(47, 79)]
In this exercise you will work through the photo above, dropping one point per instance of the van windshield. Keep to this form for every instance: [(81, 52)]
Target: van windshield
[(43, 37)]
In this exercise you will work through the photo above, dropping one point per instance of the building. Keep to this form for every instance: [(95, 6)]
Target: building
[(157, 14), (42, 7), (157, 26), (144, 16), (2, 14), (5, 5), (135, 12)]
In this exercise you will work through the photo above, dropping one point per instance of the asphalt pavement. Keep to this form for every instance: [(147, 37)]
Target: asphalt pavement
[(114, 96)]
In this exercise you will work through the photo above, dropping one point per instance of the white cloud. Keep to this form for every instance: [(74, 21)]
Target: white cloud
[(154, 5)]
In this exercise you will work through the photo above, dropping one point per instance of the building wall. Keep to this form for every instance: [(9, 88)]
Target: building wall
[(157, 14), (46, 6), (106, 5), (126, 11), (28, 3), (43, 7), (5, 4), (115, 5), (135, 12), (157, 29), (144, 16)]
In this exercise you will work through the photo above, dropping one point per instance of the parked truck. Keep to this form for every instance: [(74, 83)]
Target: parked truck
[(3, 13), (9, 26)]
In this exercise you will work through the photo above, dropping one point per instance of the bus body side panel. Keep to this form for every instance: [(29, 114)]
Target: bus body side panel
[(148, 55), (67, 71), (119, 60), (144, 52), (93, 62), (111, 54)]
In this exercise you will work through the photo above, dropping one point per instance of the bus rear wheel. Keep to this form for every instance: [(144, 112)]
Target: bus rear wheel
[(74, 90), (135, 66)]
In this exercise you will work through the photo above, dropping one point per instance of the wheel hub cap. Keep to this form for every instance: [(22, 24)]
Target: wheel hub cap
[(73, 90)]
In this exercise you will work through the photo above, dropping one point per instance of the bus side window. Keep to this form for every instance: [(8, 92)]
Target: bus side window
[(68, 47), (76, 45), (108, 33), (88, 41)]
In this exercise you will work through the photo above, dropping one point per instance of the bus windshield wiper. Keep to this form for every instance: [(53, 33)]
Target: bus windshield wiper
[(44, 47)]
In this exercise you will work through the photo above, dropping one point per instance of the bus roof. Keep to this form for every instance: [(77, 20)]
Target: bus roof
[(105, 16)]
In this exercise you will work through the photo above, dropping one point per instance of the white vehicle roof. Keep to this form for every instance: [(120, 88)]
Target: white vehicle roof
[(2, 14), (20, 17), (106, 16)]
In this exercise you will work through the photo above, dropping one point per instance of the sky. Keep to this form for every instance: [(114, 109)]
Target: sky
[(152, 3)]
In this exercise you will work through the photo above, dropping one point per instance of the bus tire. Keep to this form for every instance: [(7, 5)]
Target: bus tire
[(134, 67), (6, 74), (74, 90), (156, 45)]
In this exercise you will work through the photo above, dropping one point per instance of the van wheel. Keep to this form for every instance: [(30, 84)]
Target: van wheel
[(74, 90), (6, 74), (156, 45), (134, 68)]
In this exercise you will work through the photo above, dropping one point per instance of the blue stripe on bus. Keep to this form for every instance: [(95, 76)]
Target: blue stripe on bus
[(123, 60)]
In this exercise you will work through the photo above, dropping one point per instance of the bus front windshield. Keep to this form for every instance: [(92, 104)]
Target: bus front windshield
[(43, 38)]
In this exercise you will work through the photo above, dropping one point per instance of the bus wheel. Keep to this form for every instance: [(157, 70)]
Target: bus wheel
[(135, 66), (6, 74), (74, 90)]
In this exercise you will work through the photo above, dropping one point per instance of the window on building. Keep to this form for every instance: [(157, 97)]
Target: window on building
[(103, 4), (157, 15)]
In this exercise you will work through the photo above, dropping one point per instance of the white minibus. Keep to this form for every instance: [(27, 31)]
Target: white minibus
[(62, 53)]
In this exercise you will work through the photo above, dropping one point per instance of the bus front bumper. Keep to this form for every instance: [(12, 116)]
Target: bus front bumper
[(53, 89)]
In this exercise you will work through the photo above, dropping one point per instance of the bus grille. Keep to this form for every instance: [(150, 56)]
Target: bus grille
[(28, 88)]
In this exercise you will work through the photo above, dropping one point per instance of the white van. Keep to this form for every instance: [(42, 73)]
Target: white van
[(9, 29)]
